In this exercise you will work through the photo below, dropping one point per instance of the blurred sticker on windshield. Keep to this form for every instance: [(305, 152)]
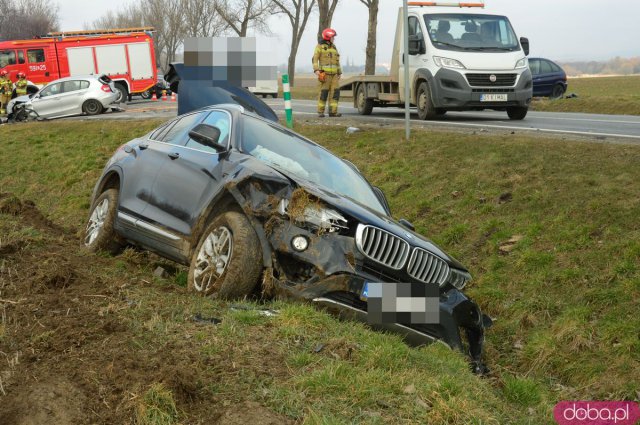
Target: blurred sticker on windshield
[(406, 303)]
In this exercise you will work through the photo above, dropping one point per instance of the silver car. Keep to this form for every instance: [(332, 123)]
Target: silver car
[(89, 94)]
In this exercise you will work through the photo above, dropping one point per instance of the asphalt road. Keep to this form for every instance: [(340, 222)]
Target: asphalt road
[(625, 127)]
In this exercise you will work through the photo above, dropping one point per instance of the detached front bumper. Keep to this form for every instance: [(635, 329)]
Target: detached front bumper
[(330, 274)]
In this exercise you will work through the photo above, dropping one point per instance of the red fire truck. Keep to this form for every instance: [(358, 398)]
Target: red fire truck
[(126, 55)]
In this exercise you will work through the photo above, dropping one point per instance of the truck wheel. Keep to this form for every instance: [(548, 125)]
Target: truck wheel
[(92, 107), (146, 95), (365, 106), (517, 112), (122, 92), (227, 261), (557, 92), (441, 111), (99, 234), (426, 110)]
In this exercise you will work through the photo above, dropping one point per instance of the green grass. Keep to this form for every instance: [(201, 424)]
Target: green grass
[(565, 295), (598, 95)]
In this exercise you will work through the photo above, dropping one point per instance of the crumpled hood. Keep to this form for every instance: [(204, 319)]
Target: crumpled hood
[(350, 207)]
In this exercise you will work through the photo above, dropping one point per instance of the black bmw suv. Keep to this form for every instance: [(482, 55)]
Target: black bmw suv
[(251, 206)]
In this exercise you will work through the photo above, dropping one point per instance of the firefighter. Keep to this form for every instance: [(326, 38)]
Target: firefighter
[(6, 87), (326, 65), (21, 84)]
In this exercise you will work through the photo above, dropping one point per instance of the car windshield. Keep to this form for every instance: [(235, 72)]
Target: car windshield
[(286, 151), (464, 32)]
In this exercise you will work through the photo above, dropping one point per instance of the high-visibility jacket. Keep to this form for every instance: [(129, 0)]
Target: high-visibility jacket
[(326, 58), (21, 87), (6, 86)]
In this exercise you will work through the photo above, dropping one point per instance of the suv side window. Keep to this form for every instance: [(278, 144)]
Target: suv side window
[(545, 67), (220, 120), (179, 133)]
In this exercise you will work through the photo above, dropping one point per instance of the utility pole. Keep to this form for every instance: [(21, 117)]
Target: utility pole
[(405, 61)]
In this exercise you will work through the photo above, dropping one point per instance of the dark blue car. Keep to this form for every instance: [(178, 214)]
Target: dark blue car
[(549, 79)]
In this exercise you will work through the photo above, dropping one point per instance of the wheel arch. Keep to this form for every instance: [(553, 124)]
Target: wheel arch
[(111, 180), (421, 75), (124, 83), (229, 200)]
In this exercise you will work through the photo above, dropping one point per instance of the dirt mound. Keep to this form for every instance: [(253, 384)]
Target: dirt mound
[(27, 210)]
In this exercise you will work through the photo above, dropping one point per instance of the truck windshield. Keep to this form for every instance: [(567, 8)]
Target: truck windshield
[(471, 32)]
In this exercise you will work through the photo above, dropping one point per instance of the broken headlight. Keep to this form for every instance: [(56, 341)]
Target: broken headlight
[(458, 279), (316, 215)]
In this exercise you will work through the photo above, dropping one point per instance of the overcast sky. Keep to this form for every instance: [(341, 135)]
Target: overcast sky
[(564, 30)]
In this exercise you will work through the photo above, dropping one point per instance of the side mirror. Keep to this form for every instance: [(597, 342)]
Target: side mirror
[(524, 41), (407, 224), (416, 45), (207, 135)]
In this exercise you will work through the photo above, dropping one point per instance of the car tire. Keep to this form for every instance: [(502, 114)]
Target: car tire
[(517, 112), (365, 106), (557, 92), (123, 94), (99, 235), (146, 95), (92, 107), (229, 241), (426, 110)]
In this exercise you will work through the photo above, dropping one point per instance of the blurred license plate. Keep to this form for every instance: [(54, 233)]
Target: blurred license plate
[(498, 97)]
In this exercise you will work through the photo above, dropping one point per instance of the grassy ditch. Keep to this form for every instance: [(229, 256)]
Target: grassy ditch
[(548, 228)]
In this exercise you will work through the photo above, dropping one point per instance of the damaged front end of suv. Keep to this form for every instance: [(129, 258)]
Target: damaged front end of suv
[(245, 202)]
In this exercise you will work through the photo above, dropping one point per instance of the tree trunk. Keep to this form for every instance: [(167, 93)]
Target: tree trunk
[(370, 64), (325, 10)]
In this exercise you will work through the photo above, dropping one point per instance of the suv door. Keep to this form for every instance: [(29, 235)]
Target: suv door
[(189, 177)]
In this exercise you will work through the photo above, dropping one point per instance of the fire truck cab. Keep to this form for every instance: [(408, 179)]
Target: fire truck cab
[(126, 55)]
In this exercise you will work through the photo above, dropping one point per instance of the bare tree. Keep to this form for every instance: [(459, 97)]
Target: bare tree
[(298, 12), (326, 9), (240, 15), (129, 16), (201, 19), (23, 19), (370, 63)]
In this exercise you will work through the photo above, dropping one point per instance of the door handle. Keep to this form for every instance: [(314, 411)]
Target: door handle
[(143, 146), (174, 155)]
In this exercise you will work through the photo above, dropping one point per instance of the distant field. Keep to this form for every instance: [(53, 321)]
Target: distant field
[(597, 95)]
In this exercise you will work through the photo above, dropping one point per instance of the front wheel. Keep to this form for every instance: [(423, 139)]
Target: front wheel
[(365, 105), (99, 234), (517, 112), (426, 110), (146, 95), (227, 261), (557, 92), (92, 107)]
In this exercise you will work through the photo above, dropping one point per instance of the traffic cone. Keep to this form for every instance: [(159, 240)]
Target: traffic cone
[(164, 95), (173, 97), (154, 97)]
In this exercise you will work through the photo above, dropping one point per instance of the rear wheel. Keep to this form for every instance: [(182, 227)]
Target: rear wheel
[(92, 107), (426, 110), (517, 112), (99, 234), (146, 94), (557, 92), (365, 105), (227, 261), (122, 93)]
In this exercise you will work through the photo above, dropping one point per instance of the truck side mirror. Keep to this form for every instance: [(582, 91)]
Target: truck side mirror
[(416, 45), (524, 41)]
